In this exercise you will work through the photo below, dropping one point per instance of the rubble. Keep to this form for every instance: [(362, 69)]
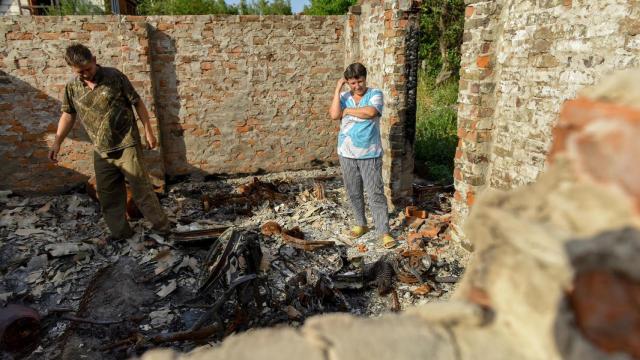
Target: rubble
[(179, 290), (189, 237), (554, 275)]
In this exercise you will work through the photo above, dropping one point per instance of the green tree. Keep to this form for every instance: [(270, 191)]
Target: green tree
[(202, 7), (263, 7), (73, 7), (243, 8), (185, 7), (442, 25), (281, 7), (328, 7)]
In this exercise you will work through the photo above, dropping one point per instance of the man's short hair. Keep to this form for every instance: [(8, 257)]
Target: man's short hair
[(354, 71), (77, 55)]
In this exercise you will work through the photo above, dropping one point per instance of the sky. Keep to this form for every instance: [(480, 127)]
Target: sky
[(296, 5)]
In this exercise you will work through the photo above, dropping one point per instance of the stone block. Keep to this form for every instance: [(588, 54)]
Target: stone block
[(545, 61)]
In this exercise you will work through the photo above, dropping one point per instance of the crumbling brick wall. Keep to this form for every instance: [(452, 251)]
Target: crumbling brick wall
[(236, 94), (521, 61), (232, 94), (546, 281), (33, 74)]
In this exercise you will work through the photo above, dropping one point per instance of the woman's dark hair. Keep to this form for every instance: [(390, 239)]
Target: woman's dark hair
[(355, 71)]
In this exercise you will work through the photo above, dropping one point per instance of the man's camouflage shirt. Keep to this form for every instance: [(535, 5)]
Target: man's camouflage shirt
[(106, 111)]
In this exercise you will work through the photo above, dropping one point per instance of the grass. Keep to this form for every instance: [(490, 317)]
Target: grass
[(436, 128)]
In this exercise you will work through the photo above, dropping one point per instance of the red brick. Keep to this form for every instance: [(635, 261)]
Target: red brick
[(468, 12), (320, 70), (457, 174), (484, 61), (471, 198), (414, 212), (164, 26), (249, 18), (229, 65), (431, 231), (19, 36), (94, 27), (49, 36), (607, 310), (243, 129)]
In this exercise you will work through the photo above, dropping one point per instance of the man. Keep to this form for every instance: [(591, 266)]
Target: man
[(103, 98), (360, 150)]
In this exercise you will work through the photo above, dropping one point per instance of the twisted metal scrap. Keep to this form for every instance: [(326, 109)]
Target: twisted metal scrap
[(380, 273), (293, 237), (411, 265)]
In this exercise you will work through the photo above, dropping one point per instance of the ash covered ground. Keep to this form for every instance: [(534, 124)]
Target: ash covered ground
[(118, 299)]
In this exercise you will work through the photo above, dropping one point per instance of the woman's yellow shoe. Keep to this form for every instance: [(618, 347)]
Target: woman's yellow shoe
[(358, 231), (388, 241)]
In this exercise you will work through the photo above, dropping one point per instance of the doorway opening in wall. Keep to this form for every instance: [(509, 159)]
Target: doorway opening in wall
[(441, 28)]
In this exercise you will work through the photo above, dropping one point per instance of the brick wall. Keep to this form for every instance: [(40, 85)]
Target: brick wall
[(244, 93), (32, 78), (232, 94), (521, 61)]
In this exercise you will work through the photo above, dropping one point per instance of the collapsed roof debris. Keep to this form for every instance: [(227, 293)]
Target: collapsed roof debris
[(247, 252)]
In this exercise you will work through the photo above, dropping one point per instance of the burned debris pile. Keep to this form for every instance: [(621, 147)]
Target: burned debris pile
[(246, 253)]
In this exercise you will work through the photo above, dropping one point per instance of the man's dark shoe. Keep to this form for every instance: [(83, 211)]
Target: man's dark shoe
[(111, 239), (164, 231)]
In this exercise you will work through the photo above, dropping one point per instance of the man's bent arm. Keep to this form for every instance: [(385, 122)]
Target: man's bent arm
[(65, 124), (366, 112)]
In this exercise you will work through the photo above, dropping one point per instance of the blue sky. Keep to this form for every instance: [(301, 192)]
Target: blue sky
[(296, 5)]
